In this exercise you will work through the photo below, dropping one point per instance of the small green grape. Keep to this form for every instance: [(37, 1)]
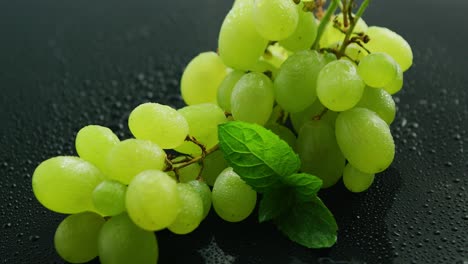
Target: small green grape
[(225, 89), (214, 165), (355, 180), (377, 70), (205, 193), (109, 197)]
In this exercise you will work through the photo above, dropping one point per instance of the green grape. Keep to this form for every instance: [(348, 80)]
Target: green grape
[(355, 52), (319, 152), (76, 238), (379, 101), (284, 133), (109, 197), (201, 78), (365, 140), (158, 123), (328, 57), (395, 86), (93, 144), (205, 193), (233, 199), (355, 180), (252, 99), (332, 35), (384, 40), (132, 156), (305, 33), (377, 70), (189, 173), (225, 89), (239, 44), (191, 212), (64, 184), (298, 119), (295, 86), (214, 165), (339, 87), (152, 200), (275, 19), (203, 120), (122, 242)]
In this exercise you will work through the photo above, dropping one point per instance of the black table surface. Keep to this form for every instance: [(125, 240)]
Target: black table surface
[(66, 64)]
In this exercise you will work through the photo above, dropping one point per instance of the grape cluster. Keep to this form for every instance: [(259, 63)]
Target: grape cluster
[(331, 80)]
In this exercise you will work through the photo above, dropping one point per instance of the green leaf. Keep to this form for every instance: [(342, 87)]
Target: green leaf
[(310, 224), (258, 155), (305, 186), (275, 202)]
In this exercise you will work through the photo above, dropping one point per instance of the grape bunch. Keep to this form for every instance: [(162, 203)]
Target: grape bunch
[(320, 81)]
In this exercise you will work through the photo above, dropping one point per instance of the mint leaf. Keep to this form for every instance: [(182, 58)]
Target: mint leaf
[(305, 185), (310, 224), (275, 202), (258, 155)]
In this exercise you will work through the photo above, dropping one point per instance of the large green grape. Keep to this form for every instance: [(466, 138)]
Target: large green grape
[(275, 19), (379, 101), (384, 40), (356, 180), (339, 87), (305, 33), (319, 152), (132, 156), (214, 165), (122, 242), (233, 199), (93, 144), (298, 119), (377, 70), (158, 123), (203, 120), (365, 140), (65, 184), (201, 78), (152, 200), (296, 84), (225, 89), (191, 212), (252, 99), (109, 197), (76, 238), (239, 44), (205, 193)]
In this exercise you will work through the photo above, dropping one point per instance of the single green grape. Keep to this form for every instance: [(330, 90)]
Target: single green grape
[(201, 78), (252, 99), (365, 140), (214, 165), (395, 86), (205, 193), (76, 237), (191, 212), (298, 119), (189, 173), (225, 89), (132, 156), (305, 33), (233, 199), (93, 144), (275, 19), (122, 242), (284, 133), (384, 40), (377, 70), (109, 197), (339, 87), (65, 184), (355, 180), (379, 101), (158, 123), (152, 200), (296, 84), (203, 120), (239, 44), (319, 153)]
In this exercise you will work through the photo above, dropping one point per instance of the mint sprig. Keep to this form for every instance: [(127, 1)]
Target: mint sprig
[(270, 166)]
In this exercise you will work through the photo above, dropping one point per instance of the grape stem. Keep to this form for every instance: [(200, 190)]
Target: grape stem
[(319, 116), (324, 22), (354, 21)]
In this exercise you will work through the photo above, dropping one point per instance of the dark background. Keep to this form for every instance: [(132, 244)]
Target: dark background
[(66, 64)]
